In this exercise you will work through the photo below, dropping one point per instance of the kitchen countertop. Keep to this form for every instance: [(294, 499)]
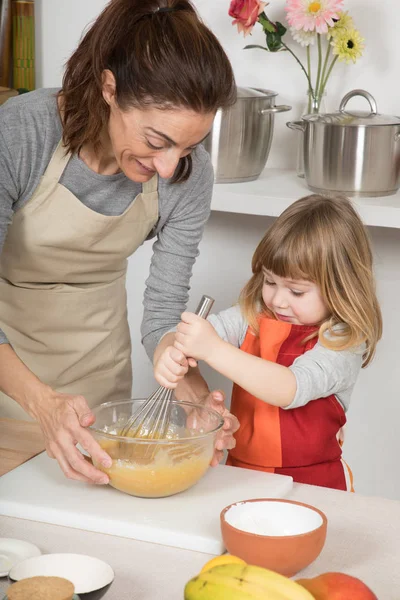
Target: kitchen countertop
[(363, 540)]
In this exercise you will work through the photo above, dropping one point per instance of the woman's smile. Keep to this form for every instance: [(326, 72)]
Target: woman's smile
[(144, 168)]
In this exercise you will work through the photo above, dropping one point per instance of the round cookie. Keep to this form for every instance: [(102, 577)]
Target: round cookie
[(41, 588)]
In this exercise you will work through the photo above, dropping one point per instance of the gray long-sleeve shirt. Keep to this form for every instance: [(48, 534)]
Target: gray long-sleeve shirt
[(30, 129), (320, 372)]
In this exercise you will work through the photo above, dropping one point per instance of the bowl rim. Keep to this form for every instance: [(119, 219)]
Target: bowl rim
[(323, 525), (75, 554), (166, 442)]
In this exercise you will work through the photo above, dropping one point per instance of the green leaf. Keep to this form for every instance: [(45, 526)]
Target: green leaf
[(280, 29), (255, 46), (273, 33), (274, 41), (267, 25)]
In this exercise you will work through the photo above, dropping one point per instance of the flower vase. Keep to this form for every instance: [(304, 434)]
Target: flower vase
[(313, 105)]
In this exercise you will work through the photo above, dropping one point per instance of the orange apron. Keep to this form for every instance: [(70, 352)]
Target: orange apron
[(302, 442)]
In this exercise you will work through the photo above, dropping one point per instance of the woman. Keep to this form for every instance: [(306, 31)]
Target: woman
[(87, 174)]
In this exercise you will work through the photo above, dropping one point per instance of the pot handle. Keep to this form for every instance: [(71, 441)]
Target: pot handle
[(364, 94), (275, 109), (297, 125)]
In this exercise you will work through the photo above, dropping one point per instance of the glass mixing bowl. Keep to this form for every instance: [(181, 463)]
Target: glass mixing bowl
[(154, 468)]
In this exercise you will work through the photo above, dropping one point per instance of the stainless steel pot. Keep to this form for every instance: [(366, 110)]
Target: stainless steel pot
[(351, 152), (240, 139)]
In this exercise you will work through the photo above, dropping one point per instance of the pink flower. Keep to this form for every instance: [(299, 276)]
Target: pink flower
[(245, 13), (313, 15)]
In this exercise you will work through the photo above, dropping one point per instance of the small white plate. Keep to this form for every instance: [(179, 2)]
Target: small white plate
[(87, 573), (14, 551)]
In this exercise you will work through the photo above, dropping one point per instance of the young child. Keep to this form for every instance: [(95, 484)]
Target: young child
[(307, 321)]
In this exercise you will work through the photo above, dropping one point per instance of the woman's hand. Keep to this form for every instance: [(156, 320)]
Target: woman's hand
[(225, 439), (63, 419), (196, 337), (170, 367)]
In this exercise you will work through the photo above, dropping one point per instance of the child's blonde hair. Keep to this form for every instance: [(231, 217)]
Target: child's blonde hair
[(322, 240)]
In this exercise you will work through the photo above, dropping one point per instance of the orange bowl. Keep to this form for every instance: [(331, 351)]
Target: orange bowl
[(281, 535)]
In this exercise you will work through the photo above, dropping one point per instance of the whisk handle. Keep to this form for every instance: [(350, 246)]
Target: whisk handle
[(204, 306)]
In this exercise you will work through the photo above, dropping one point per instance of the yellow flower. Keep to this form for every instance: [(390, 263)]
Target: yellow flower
[(344, 22), (348, 45)]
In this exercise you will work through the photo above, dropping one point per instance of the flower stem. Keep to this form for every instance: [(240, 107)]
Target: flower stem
[(323, 76), (309, 76), (323, 84), (301, 66), (318, 83)]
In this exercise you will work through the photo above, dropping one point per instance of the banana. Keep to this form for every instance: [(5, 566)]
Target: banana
[(243, 582), (222, 559)]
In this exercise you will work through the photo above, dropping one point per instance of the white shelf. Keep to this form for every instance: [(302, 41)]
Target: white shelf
[(276, 189)]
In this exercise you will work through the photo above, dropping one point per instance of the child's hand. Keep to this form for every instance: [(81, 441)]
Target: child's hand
[(196, 337), (171, 367)]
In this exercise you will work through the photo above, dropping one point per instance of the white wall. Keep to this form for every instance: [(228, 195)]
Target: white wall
[(372, 446)]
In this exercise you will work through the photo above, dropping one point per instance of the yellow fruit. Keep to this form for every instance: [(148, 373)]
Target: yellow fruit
[(243, 582), (224, 559)]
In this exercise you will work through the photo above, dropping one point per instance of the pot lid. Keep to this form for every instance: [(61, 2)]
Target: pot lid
[(354, 118), (244, 92)]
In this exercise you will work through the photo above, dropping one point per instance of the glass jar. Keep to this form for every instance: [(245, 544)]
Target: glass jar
[(311, 106)]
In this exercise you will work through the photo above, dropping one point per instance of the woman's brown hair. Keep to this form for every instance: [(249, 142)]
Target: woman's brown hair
[(160, 53), (322, 240)]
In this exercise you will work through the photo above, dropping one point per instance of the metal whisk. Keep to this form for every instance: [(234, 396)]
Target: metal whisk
[(152, 420)]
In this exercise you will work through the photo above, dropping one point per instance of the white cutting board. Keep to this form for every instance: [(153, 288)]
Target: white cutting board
[(38, 491)]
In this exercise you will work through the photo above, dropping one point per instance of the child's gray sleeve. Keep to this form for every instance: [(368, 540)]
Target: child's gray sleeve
[(321, 372), (230, 325)]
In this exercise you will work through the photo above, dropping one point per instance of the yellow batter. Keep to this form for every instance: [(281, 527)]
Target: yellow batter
[(142, 470)]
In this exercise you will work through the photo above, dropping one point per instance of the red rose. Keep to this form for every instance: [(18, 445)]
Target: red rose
[(245, 13)]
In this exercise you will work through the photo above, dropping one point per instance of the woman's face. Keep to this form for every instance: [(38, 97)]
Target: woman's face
[(153, 140)]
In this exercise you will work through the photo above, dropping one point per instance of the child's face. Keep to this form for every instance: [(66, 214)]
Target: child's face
[(295, 301)]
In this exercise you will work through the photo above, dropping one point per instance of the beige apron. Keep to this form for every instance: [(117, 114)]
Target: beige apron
[(62, 289)]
